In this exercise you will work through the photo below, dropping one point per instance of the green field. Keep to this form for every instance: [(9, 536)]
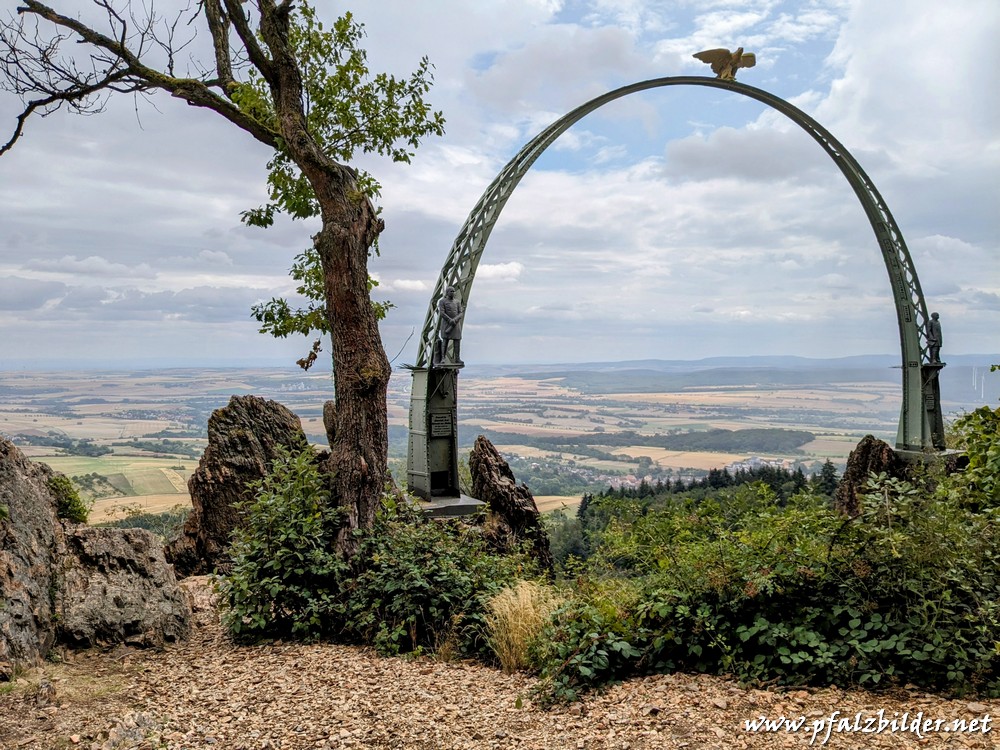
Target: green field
[(143, 476)]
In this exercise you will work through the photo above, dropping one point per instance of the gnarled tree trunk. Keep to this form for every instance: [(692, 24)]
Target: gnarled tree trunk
[(358, 451), (358, 465)]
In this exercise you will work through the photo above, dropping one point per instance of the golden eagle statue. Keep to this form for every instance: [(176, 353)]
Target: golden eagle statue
[(725, 63)]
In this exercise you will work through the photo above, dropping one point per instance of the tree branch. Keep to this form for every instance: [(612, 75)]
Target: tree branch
[(132, 70), (218, 25), (257, 57), (59, 98)]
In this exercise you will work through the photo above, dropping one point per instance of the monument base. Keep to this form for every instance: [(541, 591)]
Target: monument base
[(954, 460), (451, 507)]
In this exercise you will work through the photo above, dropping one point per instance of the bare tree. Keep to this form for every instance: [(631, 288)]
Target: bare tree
[(296, 86)]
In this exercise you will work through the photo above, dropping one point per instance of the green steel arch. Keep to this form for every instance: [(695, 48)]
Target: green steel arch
[(921, 426)]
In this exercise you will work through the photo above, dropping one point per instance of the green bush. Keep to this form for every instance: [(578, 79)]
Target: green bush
[(69, 505), (423, 584), (585, 645), (414, 585), (285, 579), (736, 584), (978, 434)]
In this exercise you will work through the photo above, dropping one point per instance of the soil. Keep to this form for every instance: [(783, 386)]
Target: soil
[(210, 693)]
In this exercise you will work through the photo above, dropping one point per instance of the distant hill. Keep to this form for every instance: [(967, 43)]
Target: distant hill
[(661, 381), (862, 361), (965, 383)]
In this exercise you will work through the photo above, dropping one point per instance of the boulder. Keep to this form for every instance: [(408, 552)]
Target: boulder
[(513, 521), (118, 588), (870, 456), (63, 582), (243, 441)]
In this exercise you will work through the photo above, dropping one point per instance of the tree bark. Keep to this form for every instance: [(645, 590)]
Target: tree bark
[(358, 465), (359, 449)]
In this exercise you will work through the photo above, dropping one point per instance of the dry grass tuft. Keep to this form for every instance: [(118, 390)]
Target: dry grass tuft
[(515, 619)]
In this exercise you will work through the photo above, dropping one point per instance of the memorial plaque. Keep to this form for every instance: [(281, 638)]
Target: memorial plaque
[(440, 425)]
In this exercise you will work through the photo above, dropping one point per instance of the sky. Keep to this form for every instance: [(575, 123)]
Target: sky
[(678, 223)]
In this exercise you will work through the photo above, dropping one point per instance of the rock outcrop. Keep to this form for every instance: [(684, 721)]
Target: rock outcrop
[(513, 520), (243, 440), (32, 548), (67, 583), (118, 588), (870, 455)]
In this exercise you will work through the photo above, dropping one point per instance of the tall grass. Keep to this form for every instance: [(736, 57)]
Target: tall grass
[(515, 618)]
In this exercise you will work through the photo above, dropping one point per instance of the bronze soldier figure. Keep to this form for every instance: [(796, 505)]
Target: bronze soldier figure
[(450, 312)]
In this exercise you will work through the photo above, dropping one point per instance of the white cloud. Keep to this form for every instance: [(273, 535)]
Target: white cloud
[(18, 293), (215, 257), (407, 285), (500, 271)]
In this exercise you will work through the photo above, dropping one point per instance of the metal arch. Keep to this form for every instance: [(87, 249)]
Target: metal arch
[(921, 425)]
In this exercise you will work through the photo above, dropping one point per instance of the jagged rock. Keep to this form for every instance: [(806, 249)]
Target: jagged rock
[(513, 517), (61, 581), (118, 588), (32, 546), (870, 455), (243, 439)]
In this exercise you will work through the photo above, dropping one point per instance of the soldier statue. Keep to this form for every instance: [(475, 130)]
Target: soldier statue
[(934, 339), (449, 328)]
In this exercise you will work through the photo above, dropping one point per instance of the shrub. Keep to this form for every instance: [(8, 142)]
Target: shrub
[(906, 593), (69, 505), (566, 538), (978, 434), (515, 619), (423, 584), (414, 585), (285, 578), (585, 645)]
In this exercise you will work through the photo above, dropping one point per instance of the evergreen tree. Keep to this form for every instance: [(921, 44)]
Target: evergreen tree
[(825, 483)]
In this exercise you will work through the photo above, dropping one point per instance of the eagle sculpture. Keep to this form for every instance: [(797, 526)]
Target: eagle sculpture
[(725, 63)]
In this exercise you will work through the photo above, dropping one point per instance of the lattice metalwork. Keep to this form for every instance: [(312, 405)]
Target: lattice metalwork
[(920, 419)]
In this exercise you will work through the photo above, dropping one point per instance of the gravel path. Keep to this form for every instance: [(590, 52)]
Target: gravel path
[(208, 693)]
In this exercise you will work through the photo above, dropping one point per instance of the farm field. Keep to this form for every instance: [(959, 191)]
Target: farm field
[(551, 424), (113, 509), (152, 485), (670, 459), (550, 503), (146, 476)]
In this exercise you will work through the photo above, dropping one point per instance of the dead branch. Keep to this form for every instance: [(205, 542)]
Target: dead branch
[(33, 66)]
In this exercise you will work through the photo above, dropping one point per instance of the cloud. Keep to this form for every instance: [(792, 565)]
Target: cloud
[(202, 304), (575, 58), (21, 294), (215, 257), (811, 23), (406, 285), (977, 298), (92, 265), (500, 271), (758, 156)]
